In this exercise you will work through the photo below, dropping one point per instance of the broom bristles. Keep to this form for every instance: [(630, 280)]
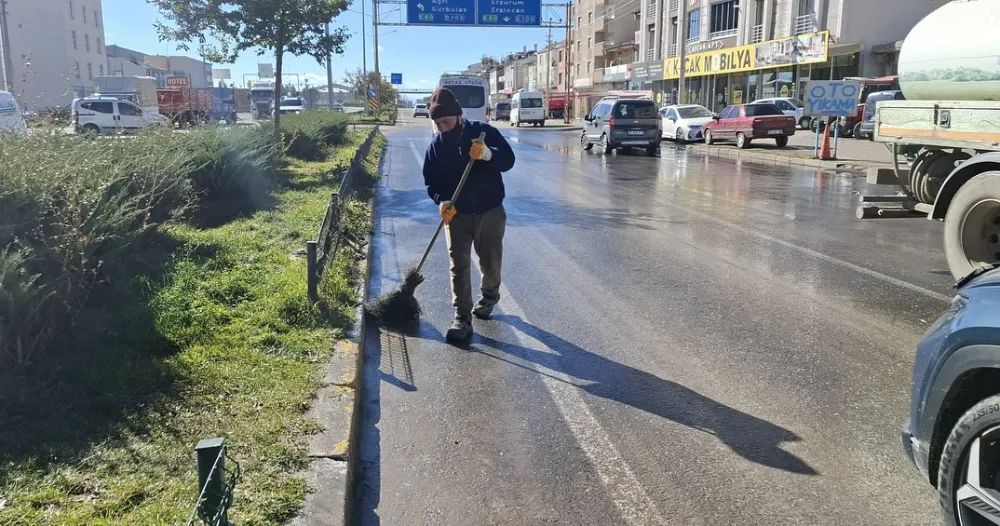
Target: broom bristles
[(398, 308)]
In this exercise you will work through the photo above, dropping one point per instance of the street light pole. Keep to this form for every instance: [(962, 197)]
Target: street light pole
[(6, 63), (681, 51), (569, 34), (378, 76), (329, 73)]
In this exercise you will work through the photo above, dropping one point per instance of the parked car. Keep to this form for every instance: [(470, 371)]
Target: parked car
[(866, 128), (421, 109), (789, 106), (617, 122), (96, 115), (746, 122), (501, 111), (952, 434), (337, 107), (684, 122), (291, 105)]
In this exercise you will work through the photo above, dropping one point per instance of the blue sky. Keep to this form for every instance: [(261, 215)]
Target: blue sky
[(419, 53)]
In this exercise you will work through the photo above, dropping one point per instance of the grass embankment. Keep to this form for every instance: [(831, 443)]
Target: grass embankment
[(154, 295)]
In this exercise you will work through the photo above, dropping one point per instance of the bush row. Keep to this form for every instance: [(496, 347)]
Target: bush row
[(77, 214)]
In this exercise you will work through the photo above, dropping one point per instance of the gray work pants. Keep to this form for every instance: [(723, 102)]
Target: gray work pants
[(484, 232)]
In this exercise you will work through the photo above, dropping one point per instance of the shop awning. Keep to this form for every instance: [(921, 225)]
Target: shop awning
[(837, 50), (887, 49)]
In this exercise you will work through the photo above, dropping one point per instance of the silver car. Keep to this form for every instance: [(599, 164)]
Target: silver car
[(617, 123)]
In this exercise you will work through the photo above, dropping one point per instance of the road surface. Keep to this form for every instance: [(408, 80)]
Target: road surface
[(681, 340)]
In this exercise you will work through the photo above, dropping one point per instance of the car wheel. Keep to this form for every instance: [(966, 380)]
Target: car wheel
[(651, 150), (91, 130), (679, 137), (709, 139), (741, 141), (804, 123), (606, 148), (857, 131), (970, 465), (781, 141), (587, 145)]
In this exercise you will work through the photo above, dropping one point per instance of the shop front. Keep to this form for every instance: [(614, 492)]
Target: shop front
[(648, 76), (776, 68)]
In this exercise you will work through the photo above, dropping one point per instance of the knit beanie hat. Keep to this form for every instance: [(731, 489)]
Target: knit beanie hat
[(444, 104)]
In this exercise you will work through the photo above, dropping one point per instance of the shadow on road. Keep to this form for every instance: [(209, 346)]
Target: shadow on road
[(750, 437)]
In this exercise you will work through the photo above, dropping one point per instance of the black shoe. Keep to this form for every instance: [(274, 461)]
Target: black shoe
[(485, 306), (460, 331)]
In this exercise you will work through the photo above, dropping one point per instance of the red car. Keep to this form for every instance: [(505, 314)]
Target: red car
[(746, 122)]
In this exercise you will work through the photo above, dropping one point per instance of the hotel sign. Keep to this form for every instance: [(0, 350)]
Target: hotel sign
[(810, 48)]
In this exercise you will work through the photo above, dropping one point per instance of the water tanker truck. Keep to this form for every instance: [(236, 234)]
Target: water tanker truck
[(949, 126)]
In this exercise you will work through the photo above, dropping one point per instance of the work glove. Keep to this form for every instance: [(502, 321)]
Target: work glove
[(447, 211), (480, 152)]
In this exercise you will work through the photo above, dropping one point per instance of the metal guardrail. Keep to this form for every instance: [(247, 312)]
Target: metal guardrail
[(757, 34), (805, 24), (324, 247)]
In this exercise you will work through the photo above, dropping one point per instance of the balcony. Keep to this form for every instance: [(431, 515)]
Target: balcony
[(599, 49), (723, 34), (650, 55), (672, 52), (757, 34), (805, 24), (674, 5), (651, 11), (598, 75)]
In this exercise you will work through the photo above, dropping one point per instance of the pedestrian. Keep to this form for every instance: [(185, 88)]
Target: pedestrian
[(477, 219)]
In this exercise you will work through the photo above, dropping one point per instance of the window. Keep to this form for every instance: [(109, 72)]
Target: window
[(469, 96), (807, 7), (588, 67), (97, 19), (577, 46), (72, 16), (784, 105), (590, 17), (758, 16), (99, 107), (579, 22), (578, 70), (100, 68), (729, 113), (531, 103), (694, 112), (590, 42), (76, 68), (74, 40), (84, 9), (560, 56), (636, 109), (99, 52), (560, 79), (86, 42), (128, 110), (90, 71), (757, 110), (725, 17), (694, 25)]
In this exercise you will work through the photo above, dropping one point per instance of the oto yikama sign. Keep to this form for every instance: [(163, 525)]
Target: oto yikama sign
[(831, 98), (801, 49)]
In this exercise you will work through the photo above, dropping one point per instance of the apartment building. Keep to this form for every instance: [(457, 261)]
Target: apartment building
[(742, 50), (603, 48), (552, 68), (56, 48)]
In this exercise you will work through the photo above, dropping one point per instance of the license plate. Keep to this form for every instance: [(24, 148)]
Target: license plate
[(635, 132), (775, 132)]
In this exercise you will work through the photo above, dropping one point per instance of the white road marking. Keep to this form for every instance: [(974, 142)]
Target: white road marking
[(624, 488)]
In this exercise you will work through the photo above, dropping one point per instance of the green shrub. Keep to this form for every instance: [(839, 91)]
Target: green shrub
[(310, 135)]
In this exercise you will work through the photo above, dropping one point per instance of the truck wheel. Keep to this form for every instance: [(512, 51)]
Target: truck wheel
[(972, 225)]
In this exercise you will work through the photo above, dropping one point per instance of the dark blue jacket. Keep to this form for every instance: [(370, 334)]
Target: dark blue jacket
[(447, 157)]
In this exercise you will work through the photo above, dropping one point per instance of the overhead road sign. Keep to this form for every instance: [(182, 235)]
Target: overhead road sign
[(493, 13), (396, 79), (509, 13)]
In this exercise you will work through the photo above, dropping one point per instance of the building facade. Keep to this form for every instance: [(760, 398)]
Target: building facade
[(56, 49), (603, 48), (739, 51), (197, 71)]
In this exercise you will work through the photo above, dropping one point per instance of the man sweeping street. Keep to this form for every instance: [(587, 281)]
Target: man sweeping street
[(477, 218)]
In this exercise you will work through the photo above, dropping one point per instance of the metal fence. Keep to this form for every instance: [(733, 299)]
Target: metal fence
[(216, 483), (322, 249)]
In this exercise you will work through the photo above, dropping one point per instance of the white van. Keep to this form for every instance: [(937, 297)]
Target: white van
[(96, 115), (472, 94), (11, 118), (527, 107)]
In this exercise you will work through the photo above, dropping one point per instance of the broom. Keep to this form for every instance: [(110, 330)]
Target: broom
[(399, 307)]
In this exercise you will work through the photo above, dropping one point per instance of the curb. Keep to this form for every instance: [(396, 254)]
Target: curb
[(333, 451), (771, 158)]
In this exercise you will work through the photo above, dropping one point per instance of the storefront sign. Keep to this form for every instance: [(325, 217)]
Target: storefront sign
[(802, 49), (647, 71), (711, 45), (639, 70), (617, 73), (831, 98)]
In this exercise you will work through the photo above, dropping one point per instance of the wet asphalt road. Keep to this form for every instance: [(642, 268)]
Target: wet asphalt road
[(681, 340)]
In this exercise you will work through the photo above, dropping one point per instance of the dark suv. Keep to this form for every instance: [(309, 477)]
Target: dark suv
[(616, 123), (953, 432)]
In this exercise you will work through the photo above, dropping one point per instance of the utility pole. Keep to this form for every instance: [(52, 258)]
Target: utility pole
[(6, 63), (681, 51), (329, 72), (378, 76), (569, 35)]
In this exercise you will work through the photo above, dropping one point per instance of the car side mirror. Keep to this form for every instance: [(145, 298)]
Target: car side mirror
[(588, 118)]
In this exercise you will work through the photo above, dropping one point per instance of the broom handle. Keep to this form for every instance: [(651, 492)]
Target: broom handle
[(454, 197)]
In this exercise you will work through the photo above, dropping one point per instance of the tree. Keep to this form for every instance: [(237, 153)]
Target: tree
[(222, 29), (361, 82)]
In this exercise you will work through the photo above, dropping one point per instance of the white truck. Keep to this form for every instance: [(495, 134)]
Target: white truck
[(949, 125), (140, 91), (262, 98)]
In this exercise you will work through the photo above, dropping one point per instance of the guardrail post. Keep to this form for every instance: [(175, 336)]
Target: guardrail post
[(312, 280), (211, 453)]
